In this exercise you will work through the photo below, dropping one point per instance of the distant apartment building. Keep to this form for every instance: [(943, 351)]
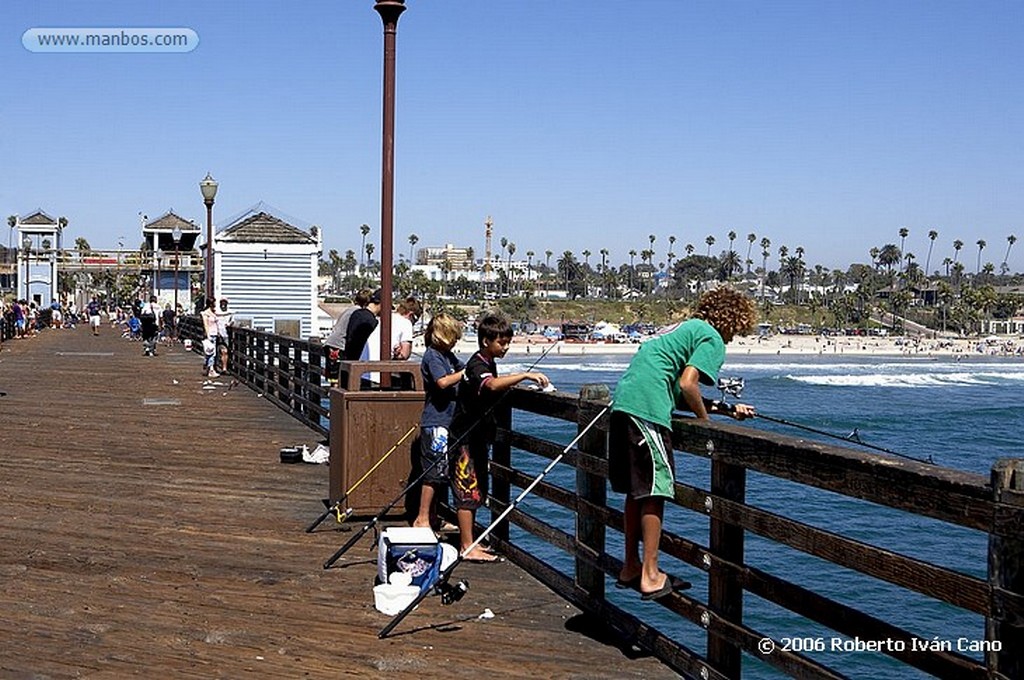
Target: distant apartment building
[(459, 258)]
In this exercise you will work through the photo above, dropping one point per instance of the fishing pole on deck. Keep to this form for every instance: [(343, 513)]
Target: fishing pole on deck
[(442, 578), (372, 523), (335, 508), (734, 387)]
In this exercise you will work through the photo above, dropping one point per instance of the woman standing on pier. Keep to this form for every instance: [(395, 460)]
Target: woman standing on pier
[(665, 374)]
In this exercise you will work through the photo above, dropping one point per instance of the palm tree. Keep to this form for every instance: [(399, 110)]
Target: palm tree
[(547, 264), (981, 246), (732, 237), (364, 230), (751, 237), (413, 240), (904, 232), (766, 244), (710, 240), (946, 262), (889, 256), (957, 245), (650, 237), (932, 235), (632, 254), (511, 251), (529, 264), (689, 249), (369, 253), (1010, 240), (671, 242)]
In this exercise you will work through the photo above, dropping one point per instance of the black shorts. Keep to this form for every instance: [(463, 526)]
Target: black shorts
[(640, 459)]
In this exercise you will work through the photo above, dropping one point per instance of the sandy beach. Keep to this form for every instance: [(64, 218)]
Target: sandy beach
[(790, 345)]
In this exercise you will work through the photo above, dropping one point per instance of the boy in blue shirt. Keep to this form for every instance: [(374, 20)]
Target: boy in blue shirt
[(442, 371)]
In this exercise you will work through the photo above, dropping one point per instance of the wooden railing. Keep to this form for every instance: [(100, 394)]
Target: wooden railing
[(287, 371), (995, 508)]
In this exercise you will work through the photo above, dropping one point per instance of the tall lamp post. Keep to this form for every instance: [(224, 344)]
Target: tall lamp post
[(389, 11), (209, 188), (27, 245), (176, 235)]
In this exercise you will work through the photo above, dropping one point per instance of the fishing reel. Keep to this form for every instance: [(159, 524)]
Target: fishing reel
[(451, 592), (731, 386)]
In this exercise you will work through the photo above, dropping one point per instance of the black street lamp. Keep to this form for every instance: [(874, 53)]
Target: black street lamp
[(209, 189)]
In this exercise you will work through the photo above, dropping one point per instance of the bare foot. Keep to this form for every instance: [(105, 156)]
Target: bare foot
[(478, 554)]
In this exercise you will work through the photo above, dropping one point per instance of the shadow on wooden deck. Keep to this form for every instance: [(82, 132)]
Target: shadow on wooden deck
[(148, 526)]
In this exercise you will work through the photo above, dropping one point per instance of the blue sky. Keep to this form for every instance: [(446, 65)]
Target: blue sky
[(826, 125)]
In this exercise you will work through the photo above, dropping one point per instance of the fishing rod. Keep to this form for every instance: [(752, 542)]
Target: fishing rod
[(442, 578), (336, 507), (441, 459), (734, 387)]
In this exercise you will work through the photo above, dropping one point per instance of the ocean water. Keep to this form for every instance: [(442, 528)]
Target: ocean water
[(962, 414)]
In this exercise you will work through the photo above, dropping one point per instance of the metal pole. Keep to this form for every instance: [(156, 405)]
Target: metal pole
[(389, 11), (175, 279), (209, 247)]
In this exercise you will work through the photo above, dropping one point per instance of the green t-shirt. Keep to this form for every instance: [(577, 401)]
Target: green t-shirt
[(649, 389)]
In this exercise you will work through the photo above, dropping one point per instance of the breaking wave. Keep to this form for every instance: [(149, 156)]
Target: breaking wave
[(930, 379)]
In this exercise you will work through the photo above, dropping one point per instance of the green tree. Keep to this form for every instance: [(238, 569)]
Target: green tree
[(364, 230)]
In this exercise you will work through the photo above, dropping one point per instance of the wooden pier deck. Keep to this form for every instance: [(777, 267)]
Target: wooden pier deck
[(148, 527)]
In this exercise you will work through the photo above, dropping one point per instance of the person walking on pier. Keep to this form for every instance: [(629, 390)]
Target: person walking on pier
[(225, 318), (474, 425), (93, 310), (665, 374), (150, 318), (442, 372), (209, 317)]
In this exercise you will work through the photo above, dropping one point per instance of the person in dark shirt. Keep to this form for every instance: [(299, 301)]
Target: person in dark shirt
[(360, 325), (474, 425)]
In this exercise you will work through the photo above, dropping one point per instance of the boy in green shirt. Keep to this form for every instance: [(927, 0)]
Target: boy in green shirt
[(665, 374)]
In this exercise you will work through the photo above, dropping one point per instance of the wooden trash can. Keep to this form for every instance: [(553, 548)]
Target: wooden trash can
[(365, 425)]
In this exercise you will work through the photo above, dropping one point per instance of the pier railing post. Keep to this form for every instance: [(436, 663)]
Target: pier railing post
[(590, 532), (1006, 571), (725, 594), (501, 452)]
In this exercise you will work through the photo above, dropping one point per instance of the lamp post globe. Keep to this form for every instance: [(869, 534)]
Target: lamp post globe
[(208, 187)]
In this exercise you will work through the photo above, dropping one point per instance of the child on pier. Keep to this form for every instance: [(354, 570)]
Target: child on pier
[(442, 371), (665, 374), (474, 425)]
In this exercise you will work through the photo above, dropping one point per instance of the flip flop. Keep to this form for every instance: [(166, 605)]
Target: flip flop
[(628, 584), (672, 584)]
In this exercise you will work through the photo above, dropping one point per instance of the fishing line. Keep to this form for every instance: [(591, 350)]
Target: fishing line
[(734, 387), (443, 577), (387, 508), (853, 438)]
